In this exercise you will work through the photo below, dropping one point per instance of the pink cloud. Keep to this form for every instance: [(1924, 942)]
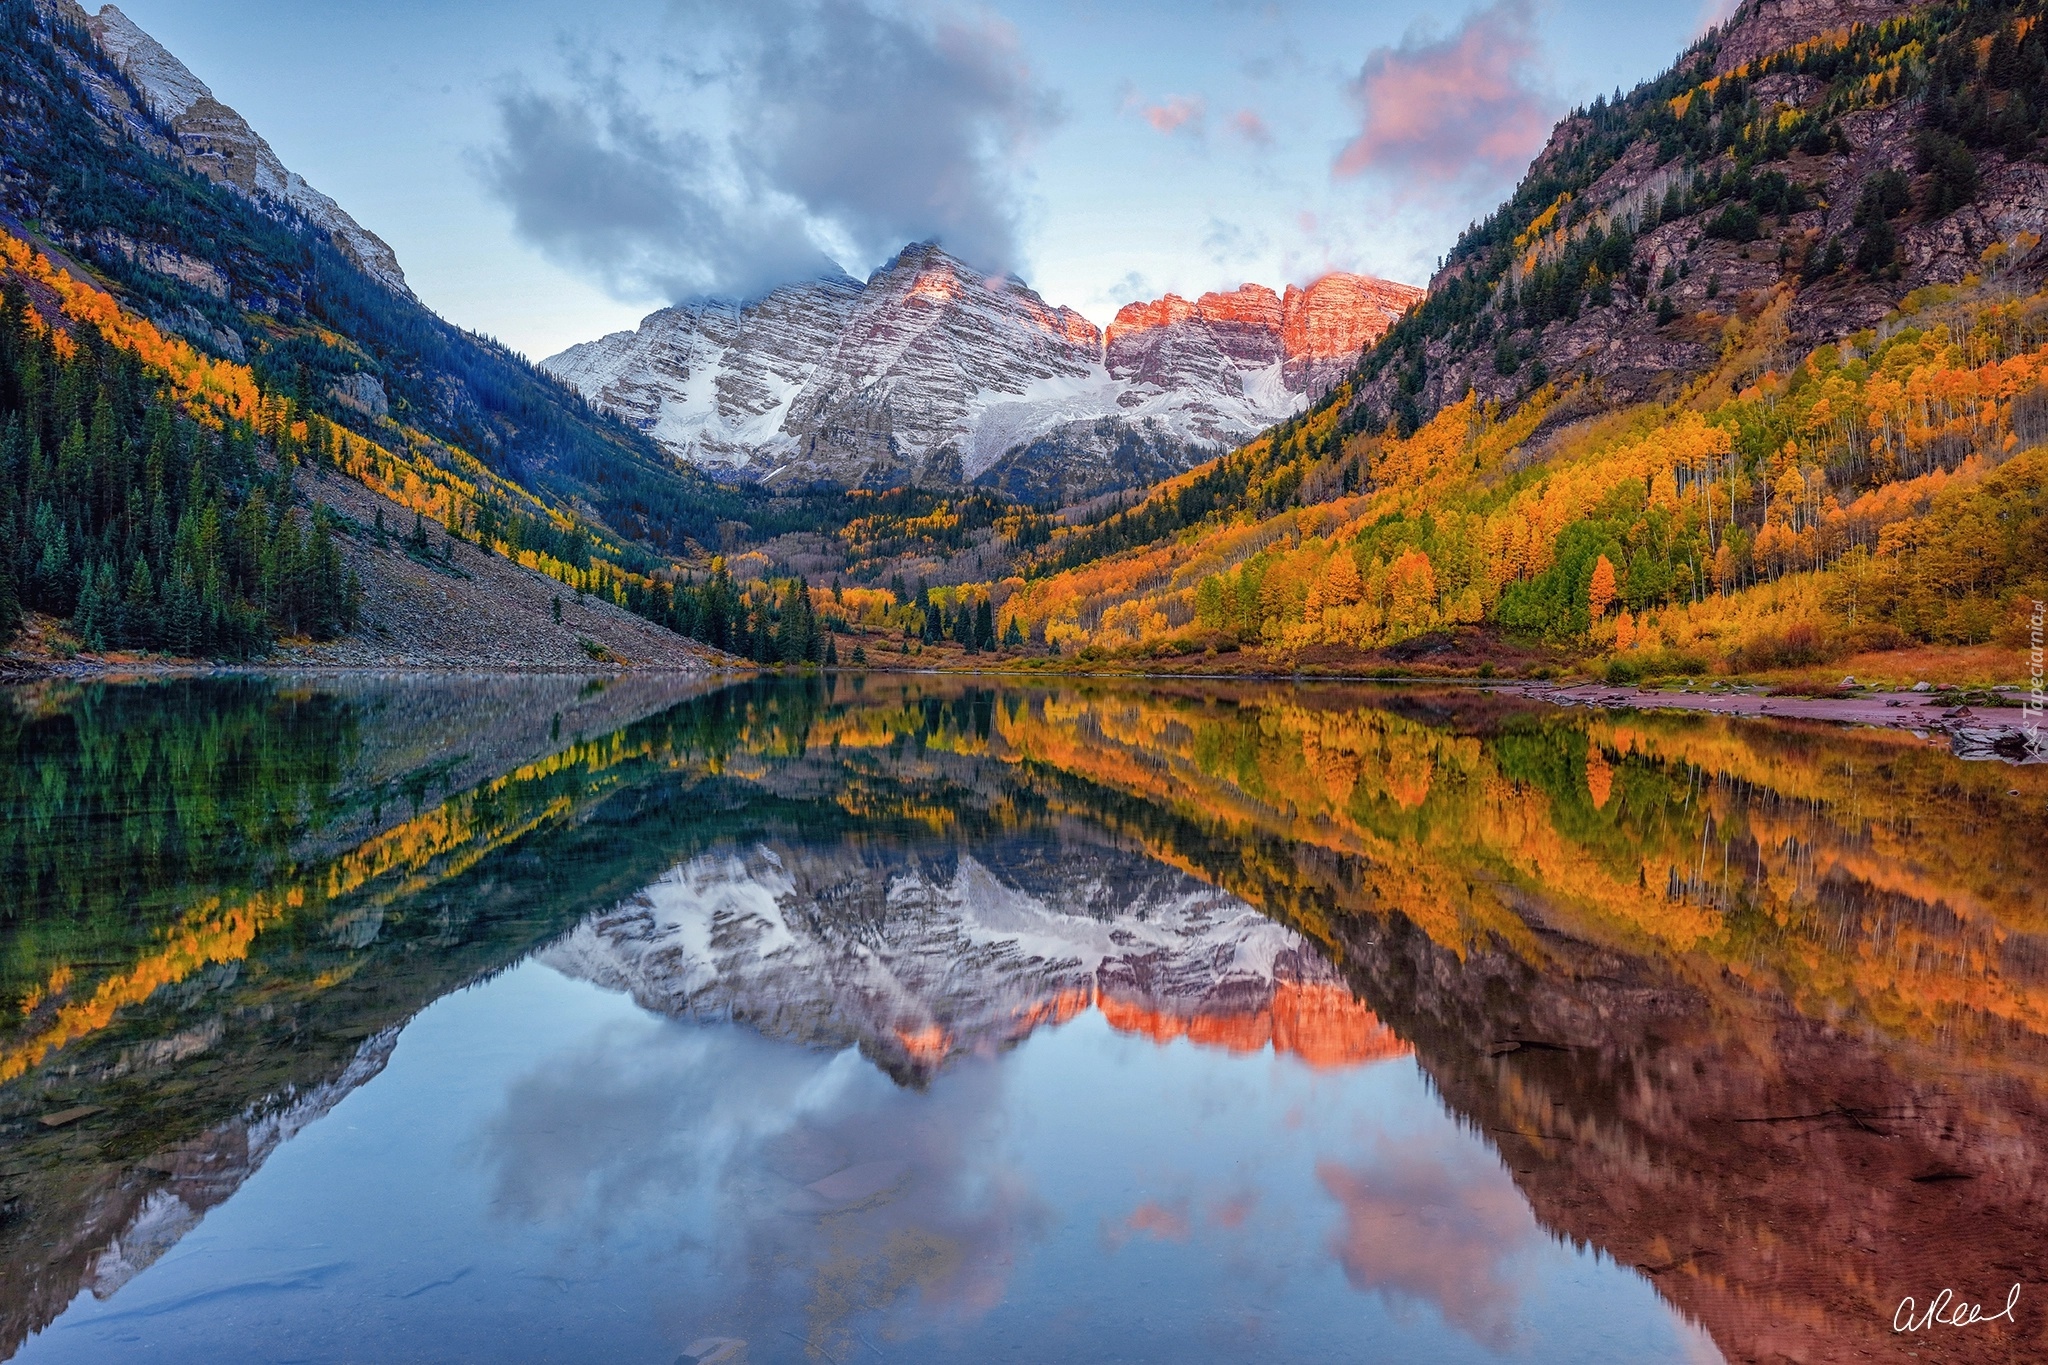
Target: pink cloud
[(1177, 114), (1469, 103), (1247, 124), (1444, 1228), (1165, 1223)]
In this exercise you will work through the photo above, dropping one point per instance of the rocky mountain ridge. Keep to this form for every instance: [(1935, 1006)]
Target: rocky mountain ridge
[(208, 137), (933, 371), (1732, 187)]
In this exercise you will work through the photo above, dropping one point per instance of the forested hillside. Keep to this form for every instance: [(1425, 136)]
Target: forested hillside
[(1802, 418), (330, 368), (1789, 155)]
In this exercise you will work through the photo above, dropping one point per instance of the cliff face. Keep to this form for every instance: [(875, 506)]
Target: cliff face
[(1326, 325), (931, 371), (1252, 342), (1758, 28), (715, 379)]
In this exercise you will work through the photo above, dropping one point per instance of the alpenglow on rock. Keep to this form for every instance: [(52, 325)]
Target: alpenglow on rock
[(214, 140), (934, 372)]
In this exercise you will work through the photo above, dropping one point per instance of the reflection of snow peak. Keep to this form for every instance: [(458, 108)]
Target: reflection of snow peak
[(203, 1172), (917, 963)]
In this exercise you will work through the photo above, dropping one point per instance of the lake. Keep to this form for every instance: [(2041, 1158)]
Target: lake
[(920, 1018)]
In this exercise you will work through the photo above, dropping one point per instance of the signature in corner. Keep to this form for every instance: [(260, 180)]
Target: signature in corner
[(1946, 1310)]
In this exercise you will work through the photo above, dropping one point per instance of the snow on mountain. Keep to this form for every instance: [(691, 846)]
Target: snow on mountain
[(935, 372), (918, 960), (217, 142), (716, 379)]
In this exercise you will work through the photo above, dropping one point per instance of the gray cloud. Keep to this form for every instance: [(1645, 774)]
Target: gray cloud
[(801, 130)]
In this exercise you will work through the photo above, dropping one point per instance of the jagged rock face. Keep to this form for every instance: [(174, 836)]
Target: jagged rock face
[(928, 371), (1326, 325), (1264, 351), (916, 960), (934, 372), (214, 140), (931, 372), (715, 380)]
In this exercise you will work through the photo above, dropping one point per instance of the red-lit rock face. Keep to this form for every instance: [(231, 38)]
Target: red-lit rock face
[(1320, 1022), (937, 965), (1340, 315), (1331, 321), (1317, 331)]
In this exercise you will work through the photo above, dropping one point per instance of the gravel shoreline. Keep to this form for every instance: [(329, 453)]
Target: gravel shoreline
[(1971, 731)]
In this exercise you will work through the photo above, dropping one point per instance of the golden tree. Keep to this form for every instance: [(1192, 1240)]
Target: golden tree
[(1601, 591)]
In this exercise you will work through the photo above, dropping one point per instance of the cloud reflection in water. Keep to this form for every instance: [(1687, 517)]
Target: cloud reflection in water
[(822, 1190)]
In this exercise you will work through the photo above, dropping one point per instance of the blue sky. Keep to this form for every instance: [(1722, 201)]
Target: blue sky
[(549, 172)]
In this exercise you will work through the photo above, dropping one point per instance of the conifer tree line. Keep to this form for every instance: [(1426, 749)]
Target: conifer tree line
[(144, 528), (775, 623), (972, 625)]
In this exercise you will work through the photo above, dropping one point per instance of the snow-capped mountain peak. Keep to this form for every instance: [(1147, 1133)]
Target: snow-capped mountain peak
[(935, 372)]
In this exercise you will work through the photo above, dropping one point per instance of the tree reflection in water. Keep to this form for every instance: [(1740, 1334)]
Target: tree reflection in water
[(1757, 1009)]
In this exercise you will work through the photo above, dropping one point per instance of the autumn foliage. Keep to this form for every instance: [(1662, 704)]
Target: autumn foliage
[(1883, 490)]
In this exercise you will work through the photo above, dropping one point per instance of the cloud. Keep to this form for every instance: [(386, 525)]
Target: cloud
[(1164, 1222), (1452, 111), (1230, 245), (799, 1174), (792, 133), (1443, 1227), (1247, 124), (1184, 114)]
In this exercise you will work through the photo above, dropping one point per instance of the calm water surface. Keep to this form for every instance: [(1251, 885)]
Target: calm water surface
[(489, 1020)]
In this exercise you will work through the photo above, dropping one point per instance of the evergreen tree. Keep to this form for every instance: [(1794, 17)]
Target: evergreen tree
[(10, 603), (984, 625)]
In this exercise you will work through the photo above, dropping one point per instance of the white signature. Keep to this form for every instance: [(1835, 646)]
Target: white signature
[(1948, 1311)]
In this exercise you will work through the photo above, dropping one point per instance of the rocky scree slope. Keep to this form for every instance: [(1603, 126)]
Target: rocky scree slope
[(935, 372)]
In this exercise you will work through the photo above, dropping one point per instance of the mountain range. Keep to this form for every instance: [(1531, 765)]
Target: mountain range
[(932, 371)]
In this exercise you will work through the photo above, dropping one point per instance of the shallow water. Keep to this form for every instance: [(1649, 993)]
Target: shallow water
[(413, 1019)]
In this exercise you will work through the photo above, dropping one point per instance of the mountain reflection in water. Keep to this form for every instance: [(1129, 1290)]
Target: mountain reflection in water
[(937, 1020)]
